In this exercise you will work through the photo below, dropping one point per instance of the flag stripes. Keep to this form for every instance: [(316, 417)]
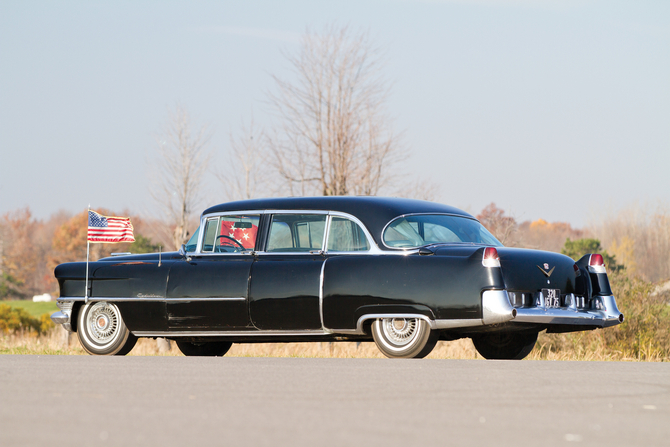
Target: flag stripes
[(109, 229)]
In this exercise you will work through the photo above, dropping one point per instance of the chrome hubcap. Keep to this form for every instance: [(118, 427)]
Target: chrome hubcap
[(400, 331), (103, 322)]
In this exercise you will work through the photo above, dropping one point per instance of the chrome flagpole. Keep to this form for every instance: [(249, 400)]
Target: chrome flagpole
[(88, 244)]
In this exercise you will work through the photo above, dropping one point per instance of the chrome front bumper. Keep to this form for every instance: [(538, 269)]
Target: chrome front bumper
[(64, 316)]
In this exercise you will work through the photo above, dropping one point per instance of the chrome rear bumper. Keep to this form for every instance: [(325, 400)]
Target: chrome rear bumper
[(605, 314)]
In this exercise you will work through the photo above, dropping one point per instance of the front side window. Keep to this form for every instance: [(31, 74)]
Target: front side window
[(346, 235), (420, 230), (230, 234), (296, 232)]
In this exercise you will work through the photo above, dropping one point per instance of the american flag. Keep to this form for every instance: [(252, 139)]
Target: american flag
[(109, 229)]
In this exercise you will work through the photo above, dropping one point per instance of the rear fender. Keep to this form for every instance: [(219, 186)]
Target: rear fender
[(599, 283)]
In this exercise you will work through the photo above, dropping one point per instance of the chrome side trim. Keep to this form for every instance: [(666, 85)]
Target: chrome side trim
[(151, 298), (254, 333), (496, 307), (323, 266), (374, 248), (234, 298), (452, 324), (607, 315)]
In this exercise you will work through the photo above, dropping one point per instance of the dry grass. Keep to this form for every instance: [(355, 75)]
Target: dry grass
[(582, 348), (54, 343)]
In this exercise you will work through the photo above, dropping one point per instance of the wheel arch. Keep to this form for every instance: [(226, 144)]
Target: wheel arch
[(365, 315)]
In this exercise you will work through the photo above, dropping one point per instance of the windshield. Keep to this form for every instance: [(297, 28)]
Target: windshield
[(192, 243), (425, 229)]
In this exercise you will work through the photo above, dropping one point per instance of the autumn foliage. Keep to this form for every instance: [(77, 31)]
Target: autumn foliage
[(31, 248)]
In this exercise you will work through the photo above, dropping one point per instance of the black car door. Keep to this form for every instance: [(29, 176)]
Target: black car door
[(208, 289), (286, 276)]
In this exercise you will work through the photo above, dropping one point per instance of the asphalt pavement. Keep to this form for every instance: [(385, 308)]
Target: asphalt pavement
[(180, 401)]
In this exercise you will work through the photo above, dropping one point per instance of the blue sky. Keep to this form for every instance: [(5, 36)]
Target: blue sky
[(555, 109)]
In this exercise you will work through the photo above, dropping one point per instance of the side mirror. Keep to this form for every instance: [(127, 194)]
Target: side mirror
[(182, 250)]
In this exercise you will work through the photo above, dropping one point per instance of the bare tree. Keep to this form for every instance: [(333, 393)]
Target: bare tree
[(333, 136), (245, 175), (503, 227), (182, 161)]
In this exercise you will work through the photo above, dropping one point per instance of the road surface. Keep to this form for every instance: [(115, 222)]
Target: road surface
[(179, 401)]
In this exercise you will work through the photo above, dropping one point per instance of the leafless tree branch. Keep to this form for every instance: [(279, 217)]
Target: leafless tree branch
[(333, 137), (182, 161)]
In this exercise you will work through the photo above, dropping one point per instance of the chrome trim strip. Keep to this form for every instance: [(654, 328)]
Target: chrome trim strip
[(323, 266), (434, 324), (496, 307), (452, 324), (151, 298), (254, 333), (232, 298), (374, 248)]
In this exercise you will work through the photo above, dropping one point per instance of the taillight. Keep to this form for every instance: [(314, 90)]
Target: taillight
[(597, 264), (491, 258), (577, 272)]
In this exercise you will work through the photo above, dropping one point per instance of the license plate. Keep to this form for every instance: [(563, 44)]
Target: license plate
[(552, 297)]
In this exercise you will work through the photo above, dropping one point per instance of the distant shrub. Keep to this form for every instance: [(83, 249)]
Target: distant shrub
[(580, 247), (17, 319), (643, 335)]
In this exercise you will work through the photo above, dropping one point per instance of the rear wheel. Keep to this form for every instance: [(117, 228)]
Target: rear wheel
[(505, 345), (101, 330), (404, 338), (209, 349)]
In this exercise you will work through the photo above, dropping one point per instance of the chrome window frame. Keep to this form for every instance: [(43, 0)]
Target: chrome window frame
[(374, 247), (396, 249), (326, 228), (201, 239)]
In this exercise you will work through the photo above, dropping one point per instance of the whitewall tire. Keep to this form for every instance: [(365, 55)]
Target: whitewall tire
[(101, 330)]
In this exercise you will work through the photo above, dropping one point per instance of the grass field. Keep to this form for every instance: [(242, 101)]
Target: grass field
[(34, 309)]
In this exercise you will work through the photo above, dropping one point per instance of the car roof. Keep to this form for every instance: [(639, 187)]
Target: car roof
[(375, 212)]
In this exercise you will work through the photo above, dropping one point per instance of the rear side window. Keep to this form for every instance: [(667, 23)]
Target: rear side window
[(345, 235), (296, 232), (418, 230)]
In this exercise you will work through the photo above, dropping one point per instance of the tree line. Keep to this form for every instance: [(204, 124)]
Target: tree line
[(331, 135)]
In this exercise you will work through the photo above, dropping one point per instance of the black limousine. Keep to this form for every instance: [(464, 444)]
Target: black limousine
[(404, 273)]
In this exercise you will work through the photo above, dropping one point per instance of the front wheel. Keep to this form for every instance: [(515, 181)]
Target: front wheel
[(101, 330), (209, 349), (404, 338), (505, 345)]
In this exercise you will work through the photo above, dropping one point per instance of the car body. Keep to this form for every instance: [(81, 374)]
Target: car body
[(404, 273)]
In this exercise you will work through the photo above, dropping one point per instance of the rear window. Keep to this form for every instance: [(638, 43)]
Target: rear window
[(419, 230)]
